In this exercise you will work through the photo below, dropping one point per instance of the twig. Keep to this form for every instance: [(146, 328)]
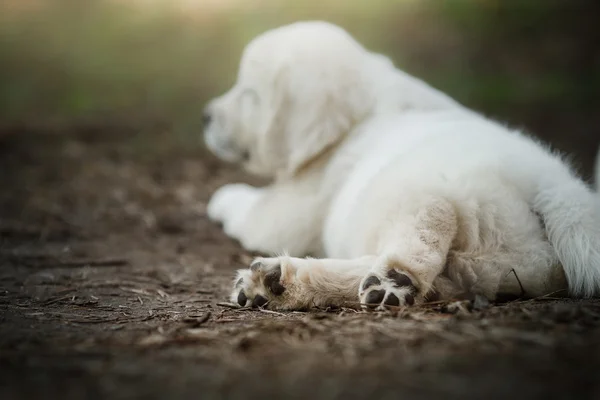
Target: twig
[(94, 321), (225, 320), (519, 281), (56, 300), (229, 305), (271, 312), (136, 291), (543, 297), (196, 322)]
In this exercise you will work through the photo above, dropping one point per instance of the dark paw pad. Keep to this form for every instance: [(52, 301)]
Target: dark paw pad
[(242, 299), (371, 281), (259, 301), (374, 298), (400, 279), (392, 300), (409, 299), (271, 281)]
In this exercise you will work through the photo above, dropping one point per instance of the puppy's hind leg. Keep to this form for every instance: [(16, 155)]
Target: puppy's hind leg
[(413, 254), (289, 283)]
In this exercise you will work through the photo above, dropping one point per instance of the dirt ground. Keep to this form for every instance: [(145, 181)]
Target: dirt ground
[(112, 283)]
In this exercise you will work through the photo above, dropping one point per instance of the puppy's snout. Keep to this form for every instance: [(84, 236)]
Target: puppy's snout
[(206, 116)]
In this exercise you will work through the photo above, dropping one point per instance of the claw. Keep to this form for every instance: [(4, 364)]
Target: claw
[(255, 266)]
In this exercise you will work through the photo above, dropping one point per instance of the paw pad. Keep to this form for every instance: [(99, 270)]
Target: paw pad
[(261, 286), (394, 289), (242, 299), (271, 281), (392, 300), (371, 281), (259, 301), (374, 297), (399, 278)]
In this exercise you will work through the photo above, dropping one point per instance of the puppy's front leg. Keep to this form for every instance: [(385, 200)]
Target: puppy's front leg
[(288, 283), (231, 204), (275, 219)]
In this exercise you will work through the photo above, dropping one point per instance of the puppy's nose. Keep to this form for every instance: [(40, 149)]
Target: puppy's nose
[(206, 117)]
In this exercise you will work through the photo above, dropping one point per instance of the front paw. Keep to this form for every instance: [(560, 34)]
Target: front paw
[(229, 201), (264, 284)]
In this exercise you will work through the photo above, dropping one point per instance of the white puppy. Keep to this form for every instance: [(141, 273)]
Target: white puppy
[(407, 194)]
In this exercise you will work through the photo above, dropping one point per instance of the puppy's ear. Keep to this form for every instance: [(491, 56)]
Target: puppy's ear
[(315, 110), (323, 112)]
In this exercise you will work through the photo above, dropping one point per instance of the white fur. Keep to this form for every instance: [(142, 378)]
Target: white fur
[(372, 165)]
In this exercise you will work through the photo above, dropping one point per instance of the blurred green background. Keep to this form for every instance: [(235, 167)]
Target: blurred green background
[(154, 63)]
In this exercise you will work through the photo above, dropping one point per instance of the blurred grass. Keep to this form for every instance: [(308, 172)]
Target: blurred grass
[(148, 62)]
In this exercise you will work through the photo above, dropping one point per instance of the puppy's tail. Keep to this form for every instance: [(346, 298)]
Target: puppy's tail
[(571, 213)]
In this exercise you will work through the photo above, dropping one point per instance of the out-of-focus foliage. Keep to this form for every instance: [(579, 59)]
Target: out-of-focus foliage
[(158, 61)]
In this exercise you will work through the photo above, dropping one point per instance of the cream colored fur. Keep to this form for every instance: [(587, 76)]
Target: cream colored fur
[(387, 180)]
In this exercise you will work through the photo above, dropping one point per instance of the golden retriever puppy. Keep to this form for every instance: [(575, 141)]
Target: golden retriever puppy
[(401, 193)]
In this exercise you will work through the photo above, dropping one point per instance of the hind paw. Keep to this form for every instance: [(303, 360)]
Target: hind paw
[(396, 289)]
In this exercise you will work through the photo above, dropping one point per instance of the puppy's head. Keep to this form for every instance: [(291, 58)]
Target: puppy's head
[(300, 89)]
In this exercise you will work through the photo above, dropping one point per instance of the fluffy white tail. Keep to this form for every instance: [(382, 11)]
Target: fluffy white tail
[(571, 213)]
